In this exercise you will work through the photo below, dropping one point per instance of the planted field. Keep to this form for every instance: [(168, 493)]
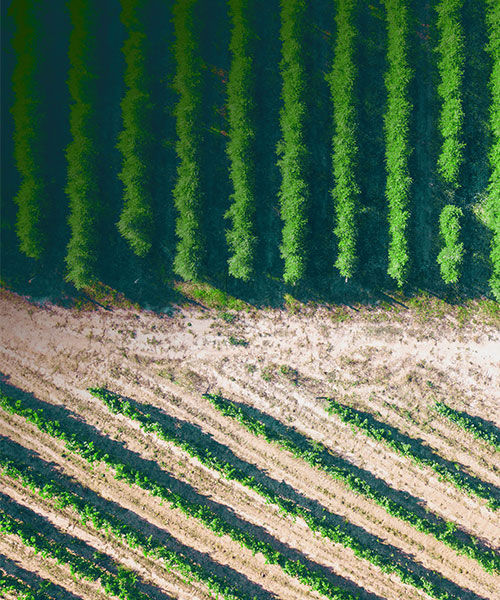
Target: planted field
[(144, 455)]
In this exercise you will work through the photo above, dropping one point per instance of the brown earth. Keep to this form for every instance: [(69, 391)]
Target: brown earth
[(393, 364)]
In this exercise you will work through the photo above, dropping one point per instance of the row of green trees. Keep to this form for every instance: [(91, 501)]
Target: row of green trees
[(397, 133), (242, 237), (31, 198), (122, 585), (294, 154), (83, 153), (136, 220), (346, 191), (188, 192), (292, 149), (77, 443), (451, 67), (493, 207)]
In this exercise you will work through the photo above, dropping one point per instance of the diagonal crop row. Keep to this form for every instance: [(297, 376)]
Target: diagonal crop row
[(421, 455), (22, 590), (121, 585), (473, 424), (318, 456), (314, 579), (337, 534), (46, 487)]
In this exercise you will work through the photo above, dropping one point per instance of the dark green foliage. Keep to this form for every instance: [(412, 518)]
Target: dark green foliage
[(241, 236), (82, 153), (136, 220), (475, 425), (276, 114), (188, 194), (77, 443), (318, 456), (451, 66), (421, 455), (28, 143), (104, 521), (493, 205), (397, 128), (294, 191), (342, 81), (338, 534)]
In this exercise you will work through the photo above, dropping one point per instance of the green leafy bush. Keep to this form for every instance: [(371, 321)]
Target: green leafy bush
[(478, 429), (315, 579), (416, 452), (336, 533), (101, 520), (121, 585)]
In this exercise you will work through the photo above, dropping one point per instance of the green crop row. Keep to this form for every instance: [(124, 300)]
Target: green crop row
[(342, 80), (338, 534), (422, 457), (241, 237), (465, 421), (318, 456), (78, 444), (121, 585), (23, 591), (136, 219), (47, 487)]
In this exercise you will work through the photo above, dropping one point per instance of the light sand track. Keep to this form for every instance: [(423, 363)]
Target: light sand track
[(56, 354)]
